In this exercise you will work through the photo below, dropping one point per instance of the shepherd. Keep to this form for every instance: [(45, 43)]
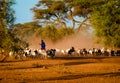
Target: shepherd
[(43, 45)]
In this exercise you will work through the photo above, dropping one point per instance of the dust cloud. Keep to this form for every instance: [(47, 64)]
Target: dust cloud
[(78, 41)]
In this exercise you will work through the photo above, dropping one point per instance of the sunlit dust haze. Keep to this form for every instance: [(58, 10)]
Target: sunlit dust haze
[(80, 40)]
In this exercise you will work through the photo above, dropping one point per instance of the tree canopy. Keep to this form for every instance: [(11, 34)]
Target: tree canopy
[(8, 40), (33, 29), (102, 15), (106, 22)]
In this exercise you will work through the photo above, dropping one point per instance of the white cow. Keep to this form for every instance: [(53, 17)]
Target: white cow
[(42, 53)]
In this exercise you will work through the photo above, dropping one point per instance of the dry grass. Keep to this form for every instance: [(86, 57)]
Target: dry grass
[(63, 69)]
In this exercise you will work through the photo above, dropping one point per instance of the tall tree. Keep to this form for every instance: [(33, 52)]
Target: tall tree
[(103, 15), (63, 11), (6, 20), (52, 11), (106, 22), (8, 40)]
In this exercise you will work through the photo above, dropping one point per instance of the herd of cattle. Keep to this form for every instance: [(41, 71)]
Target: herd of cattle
[(50, 53)]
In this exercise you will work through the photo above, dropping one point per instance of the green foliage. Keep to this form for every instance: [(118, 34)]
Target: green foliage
[(54, 34), (48, 32), (104, 15), (27, 30), (6, 20), (106, 21), (82, 8), (8, 39), (50, 11), (6, 12), (57, 7), (38, 32)]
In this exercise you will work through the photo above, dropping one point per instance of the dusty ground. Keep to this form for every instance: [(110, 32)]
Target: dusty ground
[(61, 70)]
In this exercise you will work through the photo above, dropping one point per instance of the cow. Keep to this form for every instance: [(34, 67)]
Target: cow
[(71, 50), (51, 52)]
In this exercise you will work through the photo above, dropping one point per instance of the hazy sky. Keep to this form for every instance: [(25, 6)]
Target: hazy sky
[(22, 8)]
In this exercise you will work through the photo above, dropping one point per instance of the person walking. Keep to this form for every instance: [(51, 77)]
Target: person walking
[(43, 45)]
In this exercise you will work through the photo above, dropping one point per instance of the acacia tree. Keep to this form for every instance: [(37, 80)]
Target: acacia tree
[(62, 11), (51, 12), (29, 30), (104, 16)]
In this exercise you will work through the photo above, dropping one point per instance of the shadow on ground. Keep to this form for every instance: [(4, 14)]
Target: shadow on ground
[(76, 63), (79, 58), (36, 65), (72, 77)]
